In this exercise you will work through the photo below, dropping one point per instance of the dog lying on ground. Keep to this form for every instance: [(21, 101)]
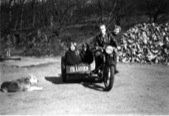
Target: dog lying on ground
[(21, 84)]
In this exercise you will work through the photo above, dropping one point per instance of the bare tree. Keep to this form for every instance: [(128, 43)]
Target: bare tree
[(115, 10), (33, 8), (61, 13), (22, 11)]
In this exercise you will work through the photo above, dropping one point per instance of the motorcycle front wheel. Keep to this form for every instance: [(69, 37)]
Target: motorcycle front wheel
[(109, 78)]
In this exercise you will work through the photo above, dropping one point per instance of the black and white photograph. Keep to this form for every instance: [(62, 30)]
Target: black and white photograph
[(84, 57)]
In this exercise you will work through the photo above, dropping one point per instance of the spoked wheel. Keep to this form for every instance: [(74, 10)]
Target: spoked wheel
[(63, 69), (109, 78)]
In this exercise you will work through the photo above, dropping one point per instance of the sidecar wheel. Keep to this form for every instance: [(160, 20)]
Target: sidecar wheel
[(63, 70), (109, 79), (64, 76)]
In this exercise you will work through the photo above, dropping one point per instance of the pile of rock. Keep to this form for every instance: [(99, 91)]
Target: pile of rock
[(145, 43)]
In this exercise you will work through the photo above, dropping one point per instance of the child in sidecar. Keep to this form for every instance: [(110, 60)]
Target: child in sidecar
[(75, 56), (86, 54), (72, 56)]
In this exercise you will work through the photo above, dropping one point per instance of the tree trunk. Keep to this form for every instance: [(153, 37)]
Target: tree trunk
[(150, 18), (101, 10), (51, 22), (16, 22), (33, 22), (10, 14), (22, 10), (155, 16), (33, 13), (10, 11)]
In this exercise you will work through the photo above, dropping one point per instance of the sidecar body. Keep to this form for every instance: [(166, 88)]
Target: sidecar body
[(80, 70)]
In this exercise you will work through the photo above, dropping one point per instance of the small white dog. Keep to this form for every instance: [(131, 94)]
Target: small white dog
[(22, 84)]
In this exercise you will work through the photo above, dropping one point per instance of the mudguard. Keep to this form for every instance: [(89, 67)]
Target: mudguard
[(111, 61)]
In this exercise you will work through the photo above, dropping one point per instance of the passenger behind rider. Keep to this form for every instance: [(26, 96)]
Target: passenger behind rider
[(73, 55)]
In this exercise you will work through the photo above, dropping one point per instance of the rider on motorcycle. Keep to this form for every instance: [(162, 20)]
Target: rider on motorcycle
[(105, 38)]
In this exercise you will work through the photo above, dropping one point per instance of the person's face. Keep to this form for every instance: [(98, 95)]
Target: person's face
[(103, 29), (72, 47), (116, 30)]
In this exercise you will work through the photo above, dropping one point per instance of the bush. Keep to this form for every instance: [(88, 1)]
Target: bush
[(44, 43)]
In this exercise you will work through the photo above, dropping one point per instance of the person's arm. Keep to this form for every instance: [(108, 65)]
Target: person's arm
[(70, 57), (67, 57), (94, 42), (113, 41)]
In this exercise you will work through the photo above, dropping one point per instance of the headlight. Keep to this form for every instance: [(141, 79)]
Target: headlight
[(109, 49)]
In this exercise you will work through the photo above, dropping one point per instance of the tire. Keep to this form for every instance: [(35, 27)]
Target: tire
[(109, 79), (63, 70)]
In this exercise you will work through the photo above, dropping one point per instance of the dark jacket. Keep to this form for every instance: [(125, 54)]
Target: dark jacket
[(109, 39), (87, 56), (72, 58)]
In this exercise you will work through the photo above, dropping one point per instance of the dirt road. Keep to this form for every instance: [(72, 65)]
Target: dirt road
[(138, 89)]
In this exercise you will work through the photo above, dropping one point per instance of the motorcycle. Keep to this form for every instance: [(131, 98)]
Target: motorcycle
[(104, 73)]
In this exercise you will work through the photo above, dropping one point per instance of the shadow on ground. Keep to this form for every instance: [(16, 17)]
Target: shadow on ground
[(93, 86), (90, 83)]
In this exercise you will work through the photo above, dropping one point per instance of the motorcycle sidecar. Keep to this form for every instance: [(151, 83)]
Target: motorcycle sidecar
[(80, 69)]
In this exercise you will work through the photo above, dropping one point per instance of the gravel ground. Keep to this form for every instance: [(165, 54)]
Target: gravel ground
[(139, 89)]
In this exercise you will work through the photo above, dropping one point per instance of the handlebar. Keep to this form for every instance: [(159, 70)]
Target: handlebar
[(103, 48)]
